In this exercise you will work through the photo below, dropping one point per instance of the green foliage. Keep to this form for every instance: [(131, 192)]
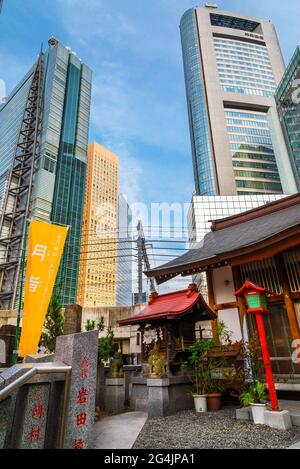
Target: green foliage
[(90, 325), (255, 394), (100, 324), (107, 346), (224, 333), (198, 352), (54, 324), (199, 349)]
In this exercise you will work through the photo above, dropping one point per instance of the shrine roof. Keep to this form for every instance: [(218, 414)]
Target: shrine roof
[(173, 305)]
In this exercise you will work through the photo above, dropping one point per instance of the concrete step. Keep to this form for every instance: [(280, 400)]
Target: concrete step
[(119, 431), (294, 408)]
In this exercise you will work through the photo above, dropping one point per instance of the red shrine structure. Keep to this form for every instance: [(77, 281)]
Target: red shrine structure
[(169, 323)]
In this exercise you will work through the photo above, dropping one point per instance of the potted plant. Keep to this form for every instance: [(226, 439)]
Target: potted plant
[(256, 397), (225, 347), (214, 395), (198, 352)]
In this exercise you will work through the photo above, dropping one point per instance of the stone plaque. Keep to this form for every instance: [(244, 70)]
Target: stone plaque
[(35, 417), (81, 352)]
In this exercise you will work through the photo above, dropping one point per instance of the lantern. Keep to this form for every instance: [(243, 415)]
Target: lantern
[(255, 298)]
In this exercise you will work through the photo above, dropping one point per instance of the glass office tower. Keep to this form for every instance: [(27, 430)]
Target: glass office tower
[(288, 105), (232, 66), (125, 254), (59, 180)]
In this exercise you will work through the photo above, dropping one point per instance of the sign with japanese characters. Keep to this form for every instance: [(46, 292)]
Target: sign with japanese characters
[(45, 247), (33, 426), (80, 351)]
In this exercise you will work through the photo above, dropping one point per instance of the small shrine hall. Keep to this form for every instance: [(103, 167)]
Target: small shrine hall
[(169, 323)]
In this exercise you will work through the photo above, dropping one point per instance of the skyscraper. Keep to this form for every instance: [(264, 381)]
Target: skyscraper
[(288, 105), (232, 65), (98, 267), (44, 124), (125, 254)]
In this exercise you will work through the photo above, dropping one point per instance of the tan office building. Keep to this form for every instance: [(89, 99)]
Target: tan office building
[(98, 267)]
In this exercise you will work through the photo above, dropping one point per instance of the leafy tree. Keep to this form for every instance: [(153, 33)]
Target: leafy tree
[(107, 346), (54, 324), (100, 324), (90, 325)]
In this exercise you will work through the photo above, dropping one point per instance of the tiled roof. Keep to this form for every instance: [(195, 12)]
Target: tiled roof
[(172, 304)]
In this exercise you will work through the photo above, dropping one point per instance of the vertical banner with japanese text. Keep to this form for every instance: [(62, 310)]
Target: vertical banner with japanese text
[(45, 247)]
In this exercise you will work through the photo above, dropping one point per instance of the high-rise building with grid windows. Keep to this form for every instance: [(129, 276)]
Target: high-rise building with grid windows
[(232, 65), (97, 285)]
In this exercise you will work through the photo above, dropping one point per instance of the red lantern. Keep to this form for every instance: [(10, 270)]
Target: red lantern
[(256, 301)]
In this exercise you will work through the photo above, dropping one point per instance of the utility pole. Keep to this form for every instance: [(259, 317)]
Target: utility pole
[(140, 261), (142, 257)]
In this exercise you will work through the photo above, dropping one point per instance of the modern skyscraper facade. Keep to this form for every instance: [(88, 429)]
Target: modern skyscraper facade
[(125, 254), (204, 209), (98, 267), (288, 106), (60, 167), (232, 65)]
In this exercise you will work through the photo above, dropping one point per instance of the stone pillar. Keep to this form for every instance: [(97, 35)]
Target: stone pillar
[(31, 417), (73, 318), (8, 407), (114, 395), (7, 340), (158, 397), (100, 386), (81, 352)]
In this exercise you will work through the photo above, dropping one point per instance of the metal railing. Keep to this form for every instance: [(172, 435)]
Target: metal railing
[(40, 369)]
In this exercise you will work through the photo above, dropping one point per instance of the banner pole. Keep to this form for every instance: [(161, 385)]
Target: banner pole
[(16, 351)]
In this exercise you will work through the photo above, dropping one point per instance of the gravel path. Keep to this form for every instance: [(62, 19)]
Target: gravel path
[(211, 430)]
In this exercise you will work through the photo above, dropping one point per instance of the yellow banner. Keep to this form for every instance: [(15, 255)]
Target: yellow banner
[(45, 247)]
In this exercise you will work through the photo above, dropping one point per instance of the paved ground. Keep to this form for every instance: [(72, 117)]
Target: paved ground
[(294, 408), (119, 431), (211, 430)]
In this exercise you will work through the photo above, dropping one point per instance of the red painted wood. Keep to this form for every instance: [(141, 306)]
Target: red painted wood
[(267, 362)]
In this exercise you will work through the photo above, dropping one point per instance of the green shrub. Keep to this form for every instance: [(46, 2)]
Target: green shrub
[(255, 394)]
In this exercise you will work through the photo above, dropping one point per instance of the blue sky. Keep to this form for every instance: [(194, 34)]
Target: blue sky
[(133, 47)]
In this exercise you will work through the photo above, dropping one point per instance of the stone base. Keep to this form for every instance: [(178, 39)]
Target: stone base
[(280, 420), (160, 397), (114, 398), (139, 394), (295, 420), (244, 413)]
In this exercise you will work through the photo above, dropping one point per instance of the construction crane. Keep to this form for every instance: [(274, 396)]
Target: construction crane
[(142, 257)]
